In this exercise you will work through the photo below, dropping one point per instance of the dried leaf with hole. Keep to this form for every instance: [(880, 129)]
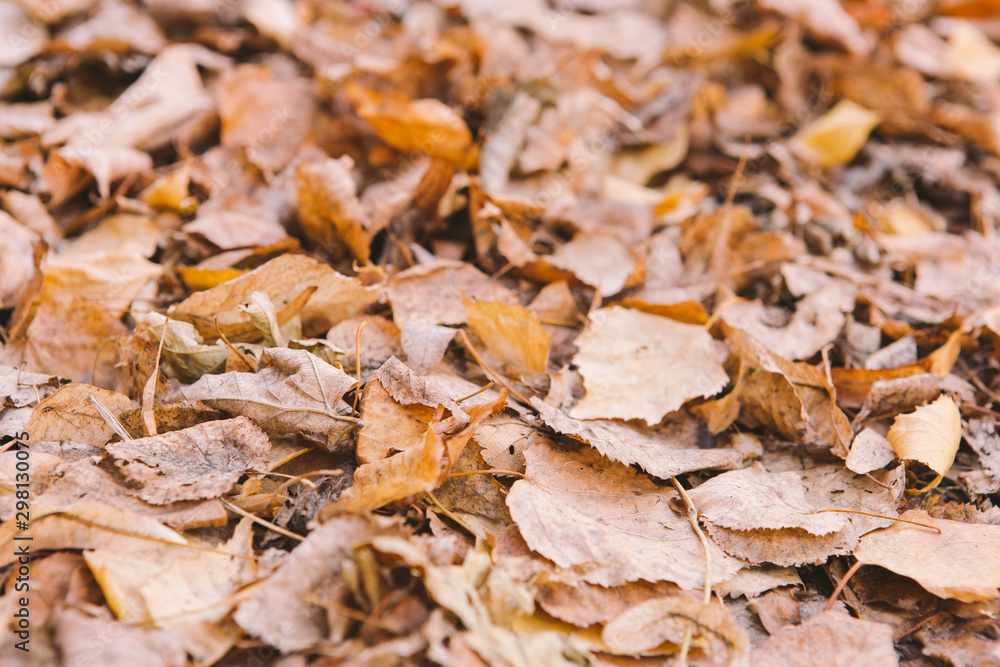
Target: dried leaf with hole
[(930, 434), (608, 523), (677, 362), (203, 461), (961, 562), (292, 391)]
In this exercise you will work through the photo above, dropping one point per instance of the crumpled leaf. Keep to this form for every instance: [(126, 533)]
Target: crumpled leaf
[(961, 562), (606, 522), (677, 361), (292, 391), (930, 434), (203, 461)]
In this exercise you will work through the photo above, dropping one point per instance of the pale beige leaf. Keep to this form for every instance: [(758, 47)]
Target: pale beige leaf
[(869, 451), (960, 562), (607, 522), (930, 434), (662, 453), (599, 260), (292, 391), (676, 362), (649, 624), (435, 293), (753, 498), (512, 335), (203, 461), (424, 343)]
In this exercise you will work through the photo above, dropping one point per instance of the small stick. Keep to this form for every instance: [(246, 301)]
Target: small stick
[(692, 514), (149, 391), (246, 359), (486, 367), (889, 518), (507, 473), (110, 420), (260, 522), (475, 393), (843, 583), (357, 360)]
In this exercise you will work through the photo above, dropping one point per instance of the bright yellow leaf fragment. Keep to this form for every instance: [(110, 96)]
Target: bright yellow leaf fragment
[(930, 434), (835, 138)]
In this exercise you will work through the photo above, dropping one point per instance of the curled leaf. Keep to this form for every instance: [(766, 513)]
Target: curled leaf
[(930, 434)]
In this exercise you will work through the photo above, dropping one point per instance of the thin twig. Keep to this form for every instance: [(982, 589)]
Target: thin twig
[(507, 473), (475, 393), (260, 522), (840, 587), (245, 357), (357, 359), (692, 514), (882, 516), (499, 378)]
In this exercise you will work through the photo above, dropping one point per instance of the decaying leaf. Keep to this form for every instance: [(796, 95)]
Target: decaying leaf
[(836, 137), (840, 639), (931, 434), (512, 334), (203, 461), (292, 391)]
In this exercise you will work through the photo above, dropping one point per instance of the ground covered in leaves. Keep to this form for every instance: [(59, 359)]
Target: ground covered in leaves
[(461, 332)]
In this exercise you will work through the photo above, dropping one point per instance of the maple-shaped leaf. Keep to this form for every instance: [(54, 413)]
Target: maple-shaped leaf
[(292, 391)]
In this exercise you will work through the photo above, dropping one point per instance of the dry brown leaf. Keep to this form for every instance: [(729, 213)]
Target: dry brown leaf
[(278, 611), (753, 499), (599, 260), (841, 640), (292, 391), (203, 461), (869, 451), (606, 522), (584, 605), (425, 343), (512, 334), (388, 426), (650, 623), (961, 562), (435, 293), (677, 362), (662, 452), (69, 414), (269, 117), (78, 637), (329, 208), (336, 297), (413, 126), (930, 434)]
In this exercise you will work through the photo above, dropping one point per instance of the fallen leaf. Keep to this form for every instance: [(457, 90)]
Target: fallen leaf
[(960, 562), (329, 208), (869, 451), (677, 360), (840, 639), (835, 138), (203, 461), (435, 293), (69, 414), (659, 452), (292, 391), (512, 334), (930, 434), (606, 522)]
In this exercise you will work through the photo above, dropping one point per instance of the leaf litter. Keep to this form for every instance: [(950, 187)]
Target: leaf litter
[(459, 333)]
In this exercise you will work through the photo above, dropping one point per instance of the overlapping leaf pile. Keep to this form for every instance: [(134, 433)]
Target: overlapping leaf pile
[(465, 332)]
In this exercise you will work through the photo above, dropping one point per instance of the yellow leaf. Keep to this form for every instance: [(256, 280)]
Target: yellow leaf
[(836, 137), (511, 333), (930, 434)]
